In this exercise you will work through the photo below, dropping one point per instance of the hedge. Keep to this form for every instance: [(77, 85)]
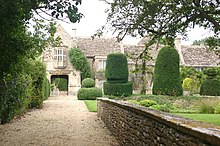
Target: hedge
[(23, 88), (46, 88), (88, 83), (118, 89), (166, 78), (116, 68), (210, 87), (89, 93)]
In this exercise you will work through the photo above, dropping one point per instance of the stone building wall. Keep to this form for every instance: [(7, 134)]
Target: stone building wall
[(134, 125), (74, 79)]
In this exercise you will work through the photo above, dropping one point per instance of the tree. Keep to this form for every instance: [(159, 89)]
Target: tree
[(159, 18), (18, 45), (15, 40)]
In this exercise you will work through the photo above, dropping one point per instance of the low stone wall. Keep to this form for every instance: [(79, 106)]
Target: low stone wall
[(140, 126)]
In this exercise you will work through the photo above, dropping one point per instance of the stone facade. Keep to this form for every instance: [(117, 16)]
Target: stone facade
[(134, 125), (62, 66)]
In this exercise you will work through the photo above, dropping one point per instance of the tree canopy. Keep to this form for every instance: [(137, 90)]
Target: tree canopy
[(162, 18), (16, 41)]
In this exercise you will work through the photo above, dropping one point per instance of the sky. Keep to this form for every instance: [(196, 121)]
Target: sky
[(95, 17)]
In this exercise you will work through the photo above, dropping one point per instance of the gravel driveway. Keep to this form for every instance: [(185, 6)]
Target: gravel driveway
[(63, 121)]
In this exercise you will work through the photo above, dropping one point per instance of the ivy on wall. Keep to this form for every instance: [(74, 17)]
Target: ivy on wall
[(80, 62)]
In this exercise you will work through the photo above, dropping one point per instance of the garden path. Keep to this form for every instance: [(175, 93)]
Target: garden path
[(63, 121)]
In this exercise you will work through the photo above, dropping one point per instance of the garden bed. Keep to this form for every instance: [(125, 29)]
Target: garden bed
[(201, 108)]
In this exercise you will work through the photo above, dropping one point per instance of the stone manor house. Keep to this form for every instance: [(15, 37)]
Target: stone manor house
[(58, 63)]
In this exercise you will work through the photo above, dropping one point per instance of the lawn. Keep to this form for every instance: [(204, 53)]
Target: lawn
[(209, 118), (91, 105)]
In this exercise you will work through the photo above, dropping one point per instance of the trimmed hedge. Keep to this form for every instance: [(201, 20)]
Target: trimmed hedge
[(118, 89), (89, 93), (211, 73), (88, 83), (166, 73), (116, 68), (210, 87)]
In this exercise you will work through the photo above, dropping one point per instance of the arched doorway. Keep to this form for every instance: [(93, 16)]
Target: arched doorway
[(61, 82)]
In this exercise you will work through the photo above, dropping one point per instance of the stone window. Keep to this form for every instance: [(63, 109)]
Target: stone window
[(101, 64), (59, 58)]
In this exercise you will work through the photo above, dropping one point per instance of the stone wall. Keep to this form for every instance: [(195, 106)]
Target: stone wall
[(140, 126)]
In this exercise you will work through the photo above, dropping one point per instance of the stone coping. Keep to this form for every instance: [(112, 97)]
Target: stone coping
[(201, 130)]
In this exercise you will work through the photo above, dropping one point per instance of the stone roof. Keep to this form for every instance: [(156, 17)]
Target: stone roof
[(98, 46), (198, 56), (192, 55)]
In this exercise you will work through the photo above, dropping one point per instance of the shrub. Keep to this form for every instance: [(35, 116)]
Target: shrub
[(211, 73), (187, 84), (116, 68), (147, 103), (62, 84), (14, 94), (207, 107), (46, 88), (37, 75), (133, 101), (80, 62), (191, 85), (88, 82), (166, 73), (210, 87), (217, 109), (118, 89), (89, 93)]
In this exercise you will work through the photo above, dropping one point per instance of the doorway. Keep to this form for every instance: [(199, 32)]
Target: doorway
[(60, 82)]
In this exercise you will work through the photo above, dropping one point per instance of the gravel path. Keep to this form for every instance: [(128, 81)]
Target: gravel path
[(63, 121)]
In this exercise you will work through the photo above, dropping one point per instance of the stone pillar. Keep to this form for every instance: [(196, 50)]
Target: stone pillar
[(74, 83)]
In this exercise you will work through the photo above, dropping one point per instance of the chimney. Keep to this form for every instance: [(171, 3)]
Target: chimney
[(179, 49)]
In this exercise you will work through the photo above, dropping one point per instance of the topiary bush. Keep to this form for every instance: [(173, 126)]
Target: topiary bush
[(116, 73), (88, 83), (211, 86), (118, 89), (116, 68), (89, 93), (211, 73), (166, 78)]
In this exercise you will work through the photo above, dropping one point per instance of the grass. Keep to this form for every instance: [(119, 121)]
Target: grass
[(91, 105), (209, 118)]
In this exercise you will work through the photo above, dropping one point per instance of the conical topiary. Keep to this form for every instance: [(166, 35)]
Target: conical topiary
[(166, 78)]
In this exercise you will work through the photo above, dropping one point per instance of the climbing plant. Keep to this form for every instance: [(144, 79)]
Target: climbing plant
[(80, 62)]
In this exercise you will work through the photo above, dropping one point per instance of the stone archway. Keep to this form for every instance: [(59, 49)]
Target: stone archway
[(61, 82)]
